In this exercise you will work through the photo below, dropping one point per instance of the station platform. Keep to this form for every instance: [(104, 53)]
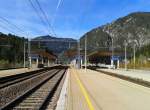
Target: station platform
[(139, 74), (92, 90), (4, 73)]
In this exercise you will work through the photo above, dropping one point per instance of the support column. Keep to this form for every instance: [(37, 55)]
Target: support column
[(112, 63), (48, 63), (81, 63), (37, 62), (30, 62), (118, 64)]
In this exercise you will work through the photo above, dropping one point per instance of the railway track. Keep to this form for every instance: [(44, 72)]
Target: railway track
[(33, 93), (10, 80)]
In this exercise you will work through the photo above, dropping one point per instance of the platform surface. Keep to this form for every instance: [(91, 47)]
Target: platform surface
[(4, 73), (91, 90), (140, 74)]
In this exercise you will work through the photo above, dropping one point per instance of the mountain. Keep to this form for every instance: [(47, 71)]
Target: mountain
[(132, 29), (57, 45), (50, 38)]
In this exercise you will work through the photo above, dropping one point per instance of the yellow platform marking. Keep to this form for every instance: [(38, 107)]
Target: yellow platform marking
[(83, 91)]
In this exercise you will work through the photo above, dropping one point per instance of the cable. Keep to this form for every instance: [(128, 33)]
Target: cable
[(11, 24), (58, 5), (38, 14), (7, 29), (46, 17)]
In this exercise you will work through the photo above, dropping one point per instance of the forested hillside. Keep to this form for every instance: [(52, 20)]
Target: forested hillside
[(11, 50)]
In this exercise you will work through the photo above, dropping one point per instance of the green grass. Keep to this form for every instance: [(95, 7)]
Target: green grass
[(4, 64), (138, 65)]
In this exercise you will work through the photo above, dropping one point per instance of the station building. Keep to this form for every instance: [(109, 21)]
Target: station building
[(42, 57), (106, 57), (103, 57)]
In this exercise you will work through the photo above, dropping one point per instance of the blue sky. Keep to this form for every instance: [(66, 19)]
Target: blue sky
[(73, 18)]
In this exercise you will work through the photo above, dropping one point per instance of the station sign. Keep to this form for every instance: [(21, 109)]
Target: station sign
[(115, 57)]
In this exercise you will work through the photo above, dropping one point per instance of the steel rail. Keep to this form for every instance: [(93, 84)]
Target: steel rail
[(20, 98)]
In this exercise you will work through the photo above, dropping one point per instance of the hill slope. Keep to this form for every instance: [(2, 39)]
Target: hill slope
[(133, 29)]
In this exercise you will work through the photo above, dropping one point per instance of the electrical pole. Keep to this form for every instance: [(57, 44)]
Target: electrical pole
[(112, 62), (125, 56), (29, 52), (80, 55), (85, 53), (79, 60), (134, 56), (24, 62)]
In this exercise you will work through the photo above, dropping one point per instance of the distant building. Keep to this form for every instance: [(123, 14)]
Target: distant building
[(42, 57), (105, 57)]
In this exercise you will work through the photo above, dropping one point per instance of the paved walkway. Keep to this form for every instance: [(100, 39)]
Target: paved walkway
[(91, 90), (141, 74), (4, 73), (76, 100)]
